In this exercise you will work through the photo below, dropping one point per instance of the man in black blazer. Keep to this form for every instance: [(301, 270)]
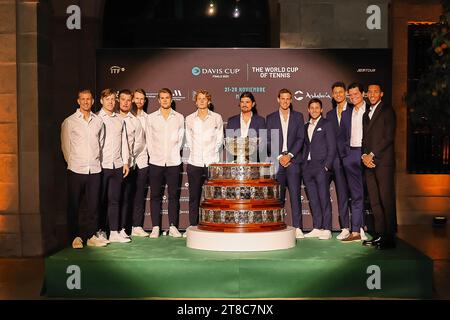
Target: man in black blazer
[(379, 158), (247, 124), (318, 155), (285, 136)]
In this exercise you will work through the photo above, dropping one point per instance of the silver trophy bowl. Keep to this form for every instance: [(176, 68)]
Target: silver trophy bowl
[(243, 148)]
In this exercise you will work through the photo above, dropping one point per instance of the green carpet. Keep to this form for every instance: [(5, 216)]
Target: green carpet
[(166, 268)]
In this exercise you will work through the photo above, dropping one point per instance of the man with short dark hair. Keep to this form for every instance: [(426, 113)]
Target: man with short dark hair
[(136, 145), (340, 105), (379, 160), (352, 121), (318, 155)]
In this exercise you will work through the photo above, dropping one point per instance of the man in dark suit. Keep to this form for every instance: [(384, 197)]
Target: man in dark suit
[(379, 159), (285, 132), (247, 124), (340, 105), (318, 156)]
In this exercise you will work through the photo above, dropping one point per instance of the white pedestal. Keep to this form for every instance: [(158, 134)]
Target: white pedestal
[(246, 241)]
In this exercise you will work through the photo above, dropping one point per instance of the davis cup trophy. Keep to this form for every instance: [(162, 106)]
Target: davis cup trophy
[(241, 208)]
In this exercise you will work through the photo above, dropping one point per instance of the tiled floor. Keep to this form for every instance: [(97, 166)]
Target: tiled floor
[(23, 278)]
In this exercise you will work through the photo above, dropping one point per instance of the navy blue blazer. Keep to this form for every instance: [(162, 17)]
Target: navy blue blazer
[(295, 136), (256, 123), (323, 144), (341, 130)]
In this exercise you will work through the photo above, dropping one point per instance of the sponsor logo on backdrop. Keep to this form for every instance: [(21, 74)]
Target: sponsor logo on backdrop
[(215, 72), (299, 95), (366, 70), (177, 95), (275, 72), (116, 69), (196, 71)]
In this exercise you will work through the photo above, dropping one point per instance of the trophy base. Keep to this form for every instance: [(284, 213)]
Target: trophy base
[(247, 241)]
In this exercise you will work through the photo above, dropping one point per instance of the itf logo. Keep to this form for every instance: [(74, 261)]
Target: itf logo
[(116, 69), (196, 71)]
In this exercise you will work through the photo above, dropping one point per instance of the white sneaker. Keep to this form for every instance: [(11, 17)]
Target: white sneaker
[(94, 241), (173, 232), (155, 232), (115, 236), (299, 233), (123, 233), (77, 243), (344, 234), (138, 232), (363, 234), (326, 235), (102, 236), (186, 232), (315, 233)]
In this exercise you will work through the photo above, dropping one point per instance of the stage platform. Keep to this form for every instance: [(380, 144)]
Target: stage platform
[(166, 268)]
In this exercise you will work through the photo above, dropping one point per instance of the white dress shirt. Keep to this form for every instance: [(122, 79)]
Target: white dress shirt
[(142, 157), (81, 142), (284, 128), (115, 152), (164, 138), (245, 126), (311, 127), (339, 116), (372, 110), (204, 138), (136, 141), (356, 134)]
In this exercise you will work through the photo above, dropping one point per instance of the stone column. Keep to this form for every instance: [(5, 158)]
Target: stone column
[(28, 119), (10, 222)]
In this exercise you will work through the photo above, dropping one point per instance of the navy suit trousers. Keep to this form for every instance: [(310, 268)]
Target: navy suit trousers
[(317, 183), (354, 174), (340, 183), (290, 177)]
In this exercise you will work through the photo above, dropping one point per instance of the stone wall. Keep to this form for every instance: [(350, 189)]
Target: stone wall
[(332, 24), (10, 220)]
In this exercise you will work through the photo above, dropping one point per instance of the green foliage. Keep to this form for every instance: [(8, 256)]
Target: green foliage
[(429, 104)]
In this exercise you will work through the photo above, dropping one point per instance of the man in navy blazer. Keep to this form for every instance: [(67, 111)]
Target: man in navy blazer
[(285, 132), (247, 123), (318, 157), (340, 104), (352, 123)]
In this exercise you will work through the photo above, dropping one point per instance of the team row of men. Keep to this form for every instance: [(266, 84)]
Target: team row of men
[(115, 154)]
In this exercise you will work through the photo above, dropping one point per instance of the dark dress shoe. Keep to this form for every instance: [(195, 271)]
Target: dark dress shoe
[(386, 243), (373, 242)]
